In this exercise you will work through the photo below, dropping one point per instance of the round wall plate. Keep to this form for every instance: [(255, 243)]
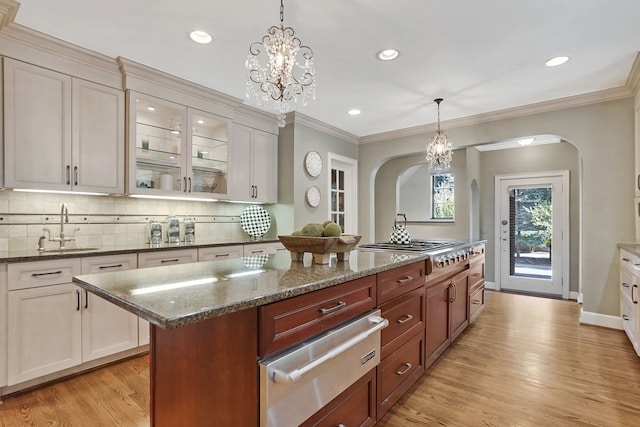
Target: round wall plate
[(313, 163), (313, 196)]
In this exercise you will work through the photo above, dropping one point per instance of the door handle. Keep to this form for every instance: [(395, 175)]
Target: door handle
[(75, 175), (68, 174)]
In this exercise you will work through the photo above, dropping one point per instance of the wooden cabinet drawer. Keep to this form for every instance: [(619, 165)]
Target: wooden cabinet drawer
[(26, 275), (100, 264), (159, 258), (398, 372), (400, 280), (215, 253), (476, 302), (356, 406), (288, 322), (406, 317), (476, 276)]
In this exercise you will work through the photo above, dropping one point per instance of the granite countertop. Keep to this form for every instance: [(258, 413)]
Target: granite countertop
[(634, 248), (34, 255), (179, 295)]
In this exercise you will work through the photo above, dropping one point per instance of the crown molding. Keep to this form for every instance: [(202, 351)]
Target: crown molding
[(310, 122), (257, 119), (27, 45), (144, 79), (8, 11), (525, 110), (633, 81)]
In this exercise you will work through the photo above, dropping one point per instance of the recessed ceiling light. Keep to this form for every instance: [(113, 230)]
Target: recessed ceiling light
[(200, 36), (388, 54), (558, 60), (150, 108), (354, 112), (200, 121), (525, 141)]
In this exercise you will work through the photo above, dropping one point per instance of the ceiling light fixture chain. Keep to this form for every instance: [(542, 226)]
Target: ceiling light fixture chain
[(287, 78), (439, 149)]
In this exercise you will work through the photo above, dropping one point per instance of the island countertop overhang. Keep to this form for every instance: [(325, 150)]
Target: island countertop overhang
[(179, 295)]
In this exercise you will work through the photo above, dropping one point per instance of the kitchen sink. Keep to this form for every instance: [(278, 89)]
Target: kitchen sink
[(67, 250)]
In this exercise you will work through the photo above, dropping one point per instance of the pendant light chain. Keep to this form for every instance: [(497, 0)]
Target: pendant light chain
[(281, 11)]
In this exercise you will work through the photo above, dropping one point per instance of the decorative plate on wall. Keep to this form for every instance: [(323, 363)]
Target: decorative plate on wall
[(313, 196), (255, 220), (313, 163)]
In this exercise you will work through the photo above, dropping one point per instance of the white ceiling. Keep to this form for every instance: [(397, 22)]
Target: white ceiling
[(480, 56)]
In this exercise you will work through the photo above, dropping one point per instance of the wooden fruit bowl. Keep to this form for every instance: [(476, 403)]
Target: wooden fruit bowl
[(320, 247)]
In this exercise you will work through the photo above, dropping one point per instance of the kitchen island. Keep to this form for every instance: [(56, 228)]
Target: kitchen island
[(207, 327)]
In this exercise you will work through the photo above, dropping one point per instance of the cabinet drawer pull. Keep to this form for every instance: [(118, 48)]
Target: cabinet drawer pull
[(625, 317), (104, 267), (633, 288), (221, 255), (75, 175), (476, 301), (185, 184), (189, 184), (404, 281), (407, 369), (257, 251), (51, 273), (405, 319), (338, 306), (86, 299), (68, 174), (169, 260), (626, 285), (627, 259), (77, 300)]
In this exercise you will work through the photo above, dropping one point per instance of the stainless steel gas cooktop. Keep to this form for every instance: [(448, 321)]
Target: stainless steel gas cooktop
[(417, 245)]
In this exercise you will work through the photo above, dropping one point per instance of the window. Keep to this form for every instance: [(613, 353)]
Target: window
[(442, 196)]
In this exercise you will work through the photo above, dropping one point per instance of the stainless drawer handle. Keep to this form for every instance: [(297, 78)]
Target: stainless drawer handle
[(221, 255), (625, 317), (338, 306), (626, 285), (104, 267), (405, 319), (278, 376), (407, 369), (404, 281), (51, 273), (169, 260)]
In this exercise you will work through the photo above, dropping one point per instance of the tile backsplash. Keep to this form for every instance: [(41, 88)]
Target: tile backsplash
[(105, 221)]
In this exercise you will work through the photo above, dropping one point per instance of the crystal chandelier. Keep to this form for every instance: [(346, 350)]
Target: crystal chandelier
[(439, 148), (287, 78)]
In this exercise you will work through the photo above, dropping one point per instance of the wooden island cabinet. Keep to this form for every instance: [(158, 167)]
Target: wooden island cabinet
[(205, 361)]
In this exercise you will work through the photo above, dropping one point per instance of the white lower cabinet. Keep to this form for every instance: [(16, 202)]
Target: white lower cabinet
[(54, 325), (630, 297), (217, 253), (106, 328), (44, 331), (255, 249)]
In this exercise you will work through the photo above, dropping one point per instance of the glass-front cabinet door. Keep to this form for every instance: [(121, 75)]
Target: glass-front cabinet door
[(175, 150), (208, 149), (157, 145)]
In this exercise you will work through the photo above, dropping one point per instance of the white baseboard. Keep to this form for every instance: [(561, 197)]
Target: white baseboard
[(490, 285), (597, 319), (577, 296)]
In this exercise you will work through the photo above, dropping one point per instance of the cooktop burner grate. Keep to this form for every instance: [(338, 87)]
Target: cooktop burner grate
[(416, 245)]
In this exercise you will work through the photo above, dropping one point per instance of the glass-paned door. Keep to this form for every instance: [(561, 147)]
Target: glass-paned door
[(338, 197), (209, 148), (531, 230)]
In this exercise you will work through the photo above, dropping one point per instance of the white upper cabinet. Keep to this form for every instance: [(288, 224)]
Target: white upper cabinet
[(254, 156), (61, 133), (176, 150)]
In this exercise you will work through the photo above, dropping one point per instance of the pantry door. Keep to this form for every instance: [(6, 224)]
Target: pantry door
[(531, 225), (343, 190)]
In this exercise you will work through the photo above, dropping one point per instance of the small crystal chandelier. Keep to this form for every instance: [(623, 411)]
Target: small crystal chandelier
[(288, 77), (439, 148)]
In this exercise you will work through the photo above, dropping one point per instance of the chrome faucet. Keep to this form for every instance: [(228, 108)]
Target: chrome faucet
[(64, 217)]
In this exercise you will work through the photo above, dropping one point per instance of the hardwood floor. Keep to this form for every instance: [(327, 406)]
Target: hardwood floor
[(525, 362)]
